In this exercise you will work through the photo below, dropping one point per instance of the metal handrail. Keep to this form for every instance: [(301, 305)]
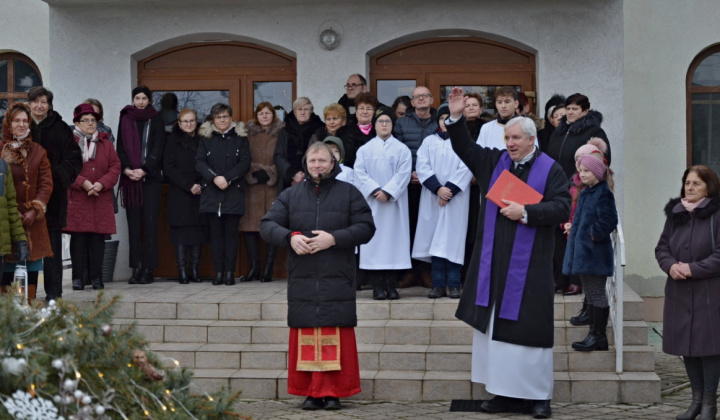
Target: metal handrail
[(614, 289)]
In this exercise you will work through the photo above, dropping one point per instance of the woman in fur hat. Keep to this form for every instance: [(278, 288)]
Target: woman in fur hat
[(33, 182), (223, 159)]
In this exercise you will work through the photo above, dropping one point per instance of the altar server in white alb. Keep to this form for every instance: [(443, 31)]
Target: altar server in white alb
[(443, 216), (382, 173)]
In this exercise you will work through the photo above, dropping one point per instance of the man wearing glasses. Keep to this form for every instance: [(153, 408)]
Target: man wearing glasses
[(356, 84), (412, 130), (52, 133)]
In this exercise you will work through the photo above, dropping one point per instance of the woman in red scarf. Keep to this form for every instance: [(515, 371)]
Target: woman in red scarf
[(141, 142)]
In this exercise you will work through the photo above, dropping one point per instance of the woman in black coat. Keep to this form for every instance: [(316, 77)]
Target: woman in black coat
[(293, 141), (140, 147), (322, 220), (186, 230), (688, 252), (223, 159)]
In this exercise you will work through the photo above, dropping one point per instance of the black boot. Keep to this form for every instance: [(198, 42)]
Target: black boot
[(597, 339), (378, 281), (229, 278), (391, 285), (194, 275), (591, 322), (218, 280), (78, 284), (147, 276), (708, 409), (253, 251), (97, 284), (270, 253), (583, 317), (136, 275), (180, 253), (694, 409)]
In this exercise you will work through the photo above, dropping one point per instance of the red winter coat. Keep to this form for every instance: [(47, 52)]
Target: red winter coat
[(95, 214)]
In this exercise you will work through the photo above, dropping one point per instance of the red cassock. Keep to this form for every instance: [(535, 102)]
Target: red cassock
[(317, 352)]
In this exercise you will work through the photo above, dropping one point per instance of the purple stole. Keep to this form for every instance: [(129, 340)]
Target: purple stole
[(522, 246)]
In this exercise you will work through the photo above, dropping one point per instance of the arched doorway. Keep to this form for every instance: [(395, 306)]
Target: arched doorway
[(440, 63), (703, 109), (202, 74)]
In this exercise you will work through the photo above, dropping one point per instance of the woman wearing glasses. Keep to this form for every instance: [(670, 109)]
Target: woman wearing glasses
[(293, 140), (183, 202), (32, 178), (91, 215), (223, 159), (361, 130), (140, 147)]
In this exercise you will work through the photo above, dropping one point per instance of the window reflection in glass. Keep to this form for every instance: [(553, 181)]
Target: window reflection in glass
[(389, 90), (25, 76), (705, 128), (277, 93), (199, 100), (3, 75), (486, 91), (708, 72), (3, 107)]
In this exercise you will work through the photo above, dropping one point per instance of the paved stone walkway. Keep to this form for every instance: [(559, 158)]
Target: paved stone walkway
[(675, 398)]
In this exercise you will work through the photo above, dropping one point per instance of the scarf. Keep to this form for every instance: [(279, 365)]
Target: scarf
[(132, 143), (87, 143), (522, 245), (365, 129), (690, 207)]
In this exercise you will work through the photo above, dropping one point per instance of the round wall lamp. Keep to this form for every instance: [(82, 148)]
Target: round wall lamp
[(329, 39)]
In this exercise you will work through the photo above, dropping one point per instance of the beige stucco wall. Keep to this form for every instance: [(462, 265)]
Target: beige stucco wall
[(661, 38)]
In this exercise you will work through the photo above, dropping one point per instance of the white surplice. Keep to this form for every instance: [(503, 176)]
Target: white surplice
[(441, 231), (511, 370), (386, 165), (492, 135), (347, 174)]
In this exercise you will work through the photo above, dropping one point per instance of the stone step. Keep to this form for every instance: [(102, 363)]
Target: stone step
[(399, 332), (390, 357), (241, 304), (575, 387)]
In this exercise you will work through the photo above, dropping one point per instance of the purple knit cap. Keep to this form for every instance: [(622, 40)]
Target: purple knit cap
[(594, 162)]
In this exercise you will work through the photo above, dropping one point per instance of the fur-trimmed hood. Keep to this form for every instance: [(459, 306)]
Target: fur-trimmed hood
[(591, 119), (675, 210), (253, 128), (208, 128)]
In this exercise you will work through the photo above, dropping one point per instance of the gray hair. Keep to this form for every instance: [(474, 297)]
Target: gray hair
[(302, 101), (527, 125)]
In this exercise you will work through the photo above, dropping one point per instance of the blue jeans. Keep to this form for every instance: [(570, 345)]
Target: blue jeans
[(444, 271)]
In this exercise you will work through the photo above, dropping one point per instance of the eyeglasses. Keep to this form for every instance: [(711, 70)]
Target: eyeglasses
[(383, 122), (88, 121), (422, 96), (189, 121), (18, 121), (353, 85), (222, 117)]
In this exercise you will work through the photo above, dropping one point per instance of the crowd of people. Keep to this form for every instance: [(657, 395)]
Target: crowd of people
[(369, 194)]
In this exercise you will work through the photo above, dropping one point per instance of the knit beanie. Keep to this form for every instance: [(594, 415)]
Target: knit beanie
[(141, 89), (336, 141), (383, 110), (594, 162), (443, 109), (594, 144)]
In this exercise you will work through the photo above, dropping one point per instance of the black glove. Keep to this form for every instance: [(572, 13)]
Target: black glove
[(22, 253), (261, 176)]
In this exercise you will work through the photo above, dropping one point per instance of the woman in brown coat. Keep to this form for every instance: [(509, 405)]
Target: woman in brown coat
[(261, 188), (689, 252), (32, 177)]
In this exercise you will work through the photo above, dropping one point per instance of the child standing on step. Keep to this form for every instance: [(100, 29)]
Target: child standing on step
[(589, 252)]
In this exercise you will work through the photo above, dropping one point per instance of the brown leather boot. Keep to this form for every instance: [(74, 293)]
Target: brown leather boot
[(32, 292), (408, 279), (4, 290)]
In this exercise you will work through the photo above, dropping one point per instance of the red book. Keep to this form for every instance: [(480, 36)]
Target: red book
[(511, 188)]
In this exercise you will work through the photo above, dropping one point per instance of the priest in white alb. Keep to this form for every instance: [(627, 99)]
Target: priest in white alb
[(508, 294)]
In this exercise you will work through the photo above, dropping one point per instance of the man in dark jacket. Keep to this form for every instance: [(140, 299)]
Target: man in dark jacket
[(52, 133), (356, 84), (412, 130), (508, 295), (322, 221)]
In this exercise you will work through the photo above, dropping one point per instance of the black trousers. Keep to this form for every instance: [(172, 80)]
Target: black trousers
[(87, 250), (7, 278), (224, 241), (52, 266), (143, 228)]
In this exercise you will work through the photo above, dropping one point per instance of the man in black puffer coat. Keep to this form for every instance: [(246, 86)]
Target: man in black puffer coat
[(322, 221)]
